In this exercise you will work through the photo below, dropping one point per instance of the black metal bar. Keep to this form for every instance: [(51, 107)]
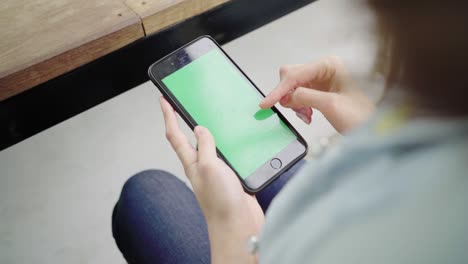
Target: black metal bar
[(52, 102)]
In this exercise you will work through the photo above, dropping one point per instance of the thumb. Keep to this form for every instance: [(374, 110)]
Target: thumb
[(305, 97), (206, 145)]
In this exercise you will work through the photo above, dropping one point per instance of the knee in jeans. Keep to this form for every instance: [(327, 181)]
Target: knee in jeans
[(144, 180)]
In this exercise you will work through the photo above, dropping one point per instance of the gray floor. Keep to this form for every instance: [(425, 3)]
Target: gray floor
[(57, 189)]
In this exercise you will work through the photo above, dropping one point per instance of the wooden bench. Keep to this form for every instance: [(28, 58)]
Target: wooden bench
[(42, 39)]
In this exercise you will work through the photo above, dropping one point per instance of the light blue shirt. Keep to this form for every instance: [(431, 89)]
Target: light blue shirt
[(393, 191)]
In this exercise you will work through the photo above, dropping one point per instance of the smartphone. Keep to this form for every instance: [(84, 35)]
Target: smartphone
[(206, 87)]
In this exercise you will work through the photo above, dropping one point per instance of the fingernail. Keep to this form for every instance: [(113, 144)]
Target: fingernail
[(303, 111), (285, 99), (197, 130), (304, 118)]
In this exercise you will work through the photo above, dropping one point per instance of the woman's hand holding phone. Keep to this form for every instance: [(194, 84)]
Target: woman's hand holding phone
[(325, 86), (232, 215)]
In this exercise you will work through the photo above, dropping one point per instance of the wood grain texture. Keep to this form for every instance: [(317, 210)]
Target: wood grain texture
[(159, 14), (67, 61), (41, 39)]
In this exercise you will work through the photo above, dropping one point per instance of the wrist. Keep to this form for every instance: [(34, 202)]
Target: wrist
[(228, 242)]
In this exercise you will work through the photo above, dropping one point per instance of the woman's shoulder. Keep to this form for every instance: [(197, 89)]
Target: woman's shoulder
[(378, 168), (419, 214)]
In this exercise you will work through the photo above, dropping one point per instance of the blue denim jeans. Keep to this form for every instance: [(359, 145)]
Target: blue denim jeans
[(158, 220)]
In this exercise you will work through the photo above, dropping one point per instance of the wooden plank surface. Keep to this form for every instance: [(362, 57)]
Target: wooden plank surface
[(41, 39), (159, 14)]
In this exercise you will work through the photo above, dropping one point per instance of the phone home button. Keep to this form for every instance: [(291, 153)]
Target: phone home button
[(276, 163)]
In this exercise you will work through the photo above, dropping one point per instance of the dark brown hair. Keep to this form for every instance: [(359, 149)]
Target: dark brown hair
[(424, 50)]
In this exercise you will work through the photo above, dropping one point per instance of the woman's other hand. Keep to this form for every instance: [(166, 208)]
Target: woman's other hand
[(325, 86), (231, 214)]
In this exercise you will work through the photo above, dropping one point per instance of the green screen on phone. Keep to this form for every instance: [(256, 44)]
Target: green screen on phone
[(217, 96)]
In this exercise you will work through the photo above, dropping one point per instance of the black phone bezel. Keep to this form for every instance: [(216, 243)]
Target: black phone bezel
[(192, 124)]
